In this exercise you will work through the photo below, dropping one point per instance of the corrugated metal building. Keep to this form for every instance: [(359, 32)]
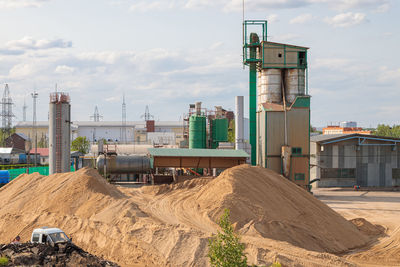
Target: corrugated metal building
[(344, 160)]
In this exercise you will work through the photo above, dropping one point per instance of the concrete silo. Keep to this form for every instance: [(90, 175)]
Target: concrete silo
[(59, 133)]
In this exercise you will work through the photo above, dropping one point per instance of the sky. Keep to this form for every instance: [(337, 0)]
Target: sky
[(169, 54)]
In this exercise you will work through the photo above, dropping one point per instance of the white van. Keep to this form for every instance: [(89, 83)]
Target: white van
[(49, 236)]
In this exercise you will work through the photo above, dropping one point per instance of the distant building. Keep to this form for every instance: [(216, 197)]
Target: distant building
[(348, 124), (355, 159), (17, 140), (111, 131), (42, 154), (344, 130)]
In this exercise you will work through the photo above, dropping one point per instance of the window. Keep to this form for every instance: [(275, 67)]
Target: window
[(35, 238), (299, 176), (302, 59), (44, 238), (338, 173), (396, 173), (296, 150), (280, 55)]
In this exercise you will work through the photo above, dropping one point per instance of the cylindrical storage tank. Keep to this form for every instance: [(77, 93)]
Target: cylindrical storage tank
[(269, 86), (295, 84), (197, 132), (123, 164), (220, 130)]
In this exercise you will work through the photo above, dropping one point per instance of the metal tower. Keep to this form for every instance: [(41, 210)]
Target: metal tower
[(24, 107), (6, 112), (147, 116), (96, 115), (34, 97), (123, 130)]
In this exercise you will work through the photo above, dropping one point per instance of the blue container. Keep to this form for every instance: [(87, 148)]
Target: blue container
[(4, 177), (22, 159)]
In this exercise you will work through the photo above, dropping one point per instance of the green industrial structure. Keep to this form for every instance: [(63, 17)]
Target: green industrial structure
[(197, 131), (207, 128), (279, 104)]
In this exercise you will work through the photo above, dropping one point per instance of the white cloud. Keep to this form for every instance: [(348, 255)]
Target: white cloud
[(289, 37), (21, 70), (359, 4), (30, 43), (21, 3), (258, 5), (300, 19), (63, 69), (346, 19), (272, 18)]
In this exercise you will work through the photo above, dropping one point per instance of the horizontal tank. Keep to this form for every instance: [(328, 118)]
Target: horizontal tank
[(295, 84), (123, 164), (269, 86)]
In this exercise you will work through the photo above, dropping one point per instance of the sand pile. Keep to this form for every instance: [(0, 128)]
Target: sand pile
[(263, 203), (170, 225)]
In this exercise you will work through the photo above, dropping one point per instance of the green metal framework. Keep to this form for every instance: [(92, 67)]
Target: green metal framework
[(247, 42), (251, 42)]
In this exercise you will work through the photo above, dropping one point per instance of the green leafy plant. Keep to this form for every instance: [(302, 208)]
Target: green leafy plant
[(225, 249), (81, 144), (3, 261)]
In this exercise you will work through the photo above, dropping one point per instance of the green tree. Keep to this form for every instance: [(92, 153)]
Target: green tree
[(81, 144), (231, 132), (386, 130), (225, 249)]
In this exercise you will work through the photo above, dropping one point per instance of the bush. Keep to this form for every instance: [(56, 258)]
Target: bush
[(3, 261), (225, 249)]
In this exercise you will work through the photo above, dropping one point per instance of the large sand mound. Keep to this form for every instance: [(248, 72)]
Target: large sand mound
[(169, 225)]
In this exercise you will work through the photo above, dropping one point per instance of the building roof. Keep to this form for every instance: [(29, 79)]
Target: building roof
[(286, 44), (334, 138), (6, 150), (44, 152), (23, 136), (324, 137), (185, 152)]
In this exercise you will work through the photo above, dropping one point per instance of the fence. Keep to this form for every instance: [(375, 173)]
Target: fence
[(44, 170)]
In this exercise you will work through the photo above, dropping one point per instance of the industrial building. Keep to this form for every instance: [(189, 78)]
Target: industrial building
[(345, 160), (136, 131), (279, 104)]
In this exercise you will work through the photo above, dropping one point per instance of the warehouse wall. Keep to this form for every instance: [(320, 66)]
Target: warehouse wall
[(369, 165)]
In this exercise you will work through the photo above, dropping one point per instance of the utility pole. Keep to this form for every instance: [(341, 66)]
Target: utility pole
[(34, 97), (24, 107), (123, 132)]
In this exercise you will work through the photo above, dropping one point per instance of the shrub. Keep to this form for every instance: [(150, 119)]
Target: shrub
[(225, 249), (3, 261)]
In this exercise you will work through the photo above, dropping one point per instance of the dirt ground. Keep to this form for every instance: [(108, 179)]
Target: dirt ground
[(380, 208)]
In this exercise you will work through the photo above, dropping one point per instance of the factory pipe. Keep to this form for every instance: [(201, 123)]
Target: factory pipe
[(239, 122), (123, 164)]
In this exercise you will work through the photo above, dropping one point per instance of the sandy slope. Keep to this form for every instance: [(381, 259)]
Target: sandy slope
[(170, 225)]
